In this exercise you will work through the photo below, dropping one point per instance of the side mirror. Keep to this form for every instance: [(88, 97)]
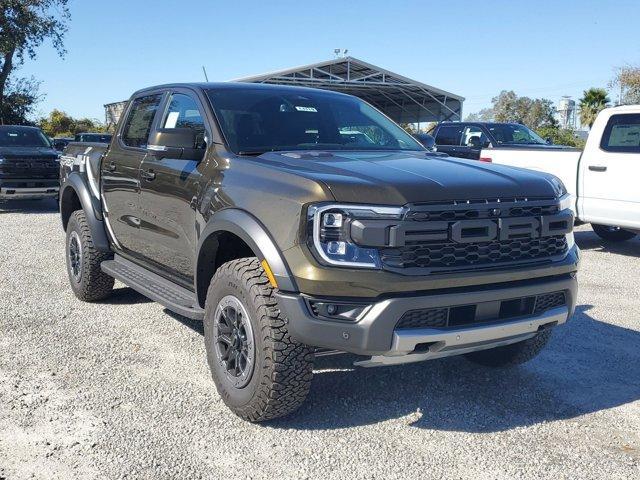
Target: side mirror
[(426, 140), (175, 143), (549, 140), (474, 142)]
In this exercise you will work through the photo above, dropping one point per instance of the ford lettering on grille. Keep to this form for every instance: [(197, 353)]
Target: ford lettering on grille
[(440, 238)]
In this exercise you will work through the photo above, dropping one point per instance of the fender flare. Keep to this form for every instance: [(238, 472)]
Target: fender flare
[(255, 235), (92, 209)]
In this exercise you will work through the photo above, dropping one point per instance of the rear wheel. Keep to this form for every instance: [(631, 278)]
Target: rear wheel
[(513, 354), (260, 372), (88, 282), (612, 234)]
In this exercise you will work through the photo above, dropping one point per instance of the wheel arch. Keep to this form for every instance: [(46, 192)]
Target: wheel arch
[(240, 224), (75, 195)]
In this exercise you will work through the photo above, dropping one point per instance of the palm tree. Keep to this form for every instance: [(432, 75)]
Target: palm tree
[(592, 102)]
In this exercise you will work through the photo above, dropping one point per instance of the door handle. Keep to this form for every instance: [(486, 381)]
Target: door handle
[(112, 166), (148, 174), (597, 168)]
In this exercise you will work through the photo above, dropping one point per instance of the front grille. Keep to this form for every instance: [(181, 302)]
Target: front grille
[(28, 167), (426, 239), (444, 255), (465, 315)]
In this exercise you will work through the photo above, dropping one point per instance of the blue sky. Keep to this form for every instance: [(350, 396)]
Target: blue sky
[(472, 48)]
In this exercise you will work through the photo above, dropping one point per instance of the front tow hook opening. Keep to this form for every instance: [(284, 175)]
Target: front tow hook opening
[(428, 347)]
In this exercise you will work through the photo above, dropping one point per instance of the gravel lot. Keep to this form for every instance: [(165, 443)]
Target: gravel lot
[(122, 390)]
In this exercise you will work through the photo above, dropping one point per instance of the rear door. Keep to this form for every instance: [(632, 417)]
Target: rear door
[(609, 172), (448, 138), (169, 191), (120, 173)]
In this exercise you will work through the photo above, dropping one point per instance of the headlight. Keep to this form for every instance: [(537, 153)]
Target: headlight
[(329, 230)]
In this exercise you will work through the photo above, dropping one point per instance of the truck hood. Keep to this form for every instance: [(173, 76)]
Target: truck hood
[(28, 152), (397, 178)]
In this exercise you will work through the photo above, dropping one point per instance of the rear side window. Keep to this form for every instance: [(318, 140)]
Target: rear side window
[(622, 134), (138, 125), (449, 135), (183, 112)]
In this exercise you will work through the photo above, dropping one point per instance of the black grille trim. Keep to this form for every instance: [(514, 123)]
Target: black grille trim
[(451, 317), (423, 250)]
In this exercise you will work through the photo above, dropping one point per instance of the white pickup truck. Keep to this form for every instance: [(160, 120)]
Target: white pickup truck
[(604, 178)]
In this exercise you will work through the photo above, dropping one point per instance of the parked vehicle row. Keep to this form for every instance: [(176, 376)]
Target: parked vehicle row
[(295, 222)]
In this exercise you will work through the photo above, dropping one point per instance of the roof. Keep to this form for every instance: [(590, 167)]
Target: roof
[(403, 99)]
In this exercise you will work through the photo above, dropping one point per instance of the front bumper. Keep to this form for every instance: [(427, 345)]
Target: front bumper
[(375, 333), (29, 189)]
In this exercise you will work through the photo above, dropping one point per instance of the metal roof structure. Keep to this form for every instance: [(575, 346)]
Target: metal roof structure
[(401, 98)]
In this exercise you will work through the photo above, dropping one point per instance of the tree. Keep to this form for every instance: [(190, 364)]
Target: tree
[(21, 97), (534, 113), (24, 26), (593, 101), (627, 80), (61, 124), (561, 136), (484, 115)]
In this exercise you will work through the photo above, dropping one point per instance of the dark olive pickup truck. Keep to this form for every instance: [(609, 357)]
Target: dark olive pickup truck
[(298, 222)]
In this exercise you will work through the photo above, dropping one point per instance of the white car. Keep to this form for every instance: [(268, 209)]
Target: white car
[(603, 178)]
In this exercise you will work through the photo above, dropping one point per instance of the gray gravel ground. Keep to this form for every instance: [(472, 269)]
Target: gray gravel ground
[(122, 390)]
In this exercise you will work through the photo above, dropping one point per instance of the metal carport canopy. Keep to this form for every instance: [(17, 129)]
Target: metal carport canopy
[(402, 99)]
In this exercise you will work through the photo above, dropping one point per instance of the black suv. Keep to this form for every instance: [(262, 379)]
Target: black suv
[(29, 166), (467, 139), (295, 222)]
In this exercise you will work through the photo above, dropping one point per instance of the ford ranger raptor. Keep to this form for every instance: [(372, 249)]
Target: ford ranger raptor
[(297, 222)]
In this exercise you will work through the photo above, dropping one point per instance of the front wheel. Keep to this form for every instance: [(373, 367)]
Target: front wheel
[(612, 234), (88, 282), (513, 354), (260, 372)]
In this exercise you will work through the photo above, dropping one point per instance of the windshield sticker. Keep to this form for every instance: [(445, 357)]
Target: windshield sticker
[(306, 109)]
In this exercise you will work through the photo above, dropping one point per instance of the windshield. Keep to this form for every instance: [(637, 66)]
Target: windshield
[(22, 137), (93, 137), (512, 133), (259, 120)]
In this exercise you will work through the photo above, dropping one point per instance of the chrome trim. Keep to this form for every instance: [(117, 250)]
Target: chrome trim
[(156, 148), (445, 343), (27, 193)]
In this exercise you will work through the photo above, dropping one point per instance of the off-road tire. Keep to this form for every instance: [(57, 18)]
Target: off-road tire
[(612, 234), (93, 284), (282, 367), (514, 354)]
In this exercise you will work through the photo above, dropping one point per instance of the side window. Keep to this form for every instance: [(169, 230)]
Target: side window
[(183, 112), (474, 137), (449, 135), (138, 125), (622, 134)]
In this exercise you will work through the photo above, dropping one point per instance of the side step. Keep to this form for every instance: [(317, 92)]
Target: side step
[(159, 289)]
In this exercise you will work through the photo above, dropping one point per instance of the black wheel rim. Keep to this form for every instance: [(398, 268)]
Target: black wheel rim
[(233, 337), (75, 256)]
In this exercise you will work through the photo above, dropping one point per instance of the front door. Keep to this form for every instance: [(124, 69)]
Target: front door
[(473, 139), (609, 173), (448, 138), (120, 173), (169, 191)]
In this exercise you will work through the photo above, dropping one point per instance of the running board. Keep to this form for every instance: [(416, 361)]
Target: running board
[(159, 289)]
